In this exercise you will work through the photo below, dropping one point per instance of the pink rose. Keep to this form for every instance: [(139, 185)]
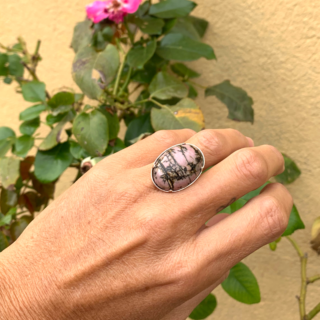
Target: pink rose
[(114, 10)]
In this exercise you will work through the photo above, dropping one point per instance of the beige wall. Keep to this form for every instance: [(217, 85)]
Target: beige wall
[(272, 49)]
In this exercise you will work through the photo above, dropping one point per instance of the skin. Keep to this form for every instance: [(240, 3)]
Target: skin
[(115, 247)]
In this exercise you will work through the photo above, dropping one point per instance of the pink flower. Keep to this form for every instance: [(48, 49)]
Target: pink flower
[(114, 10)]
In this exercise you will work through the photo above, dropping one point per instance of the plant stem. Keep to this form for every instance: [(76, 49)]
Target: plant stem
[(313, 279), (116, 86), (126, 83), (313, 312), (304, 281), (198, 85), (139, 102)]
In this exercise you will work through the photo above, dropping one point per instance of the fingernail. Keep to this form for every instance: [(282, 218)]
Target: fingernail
[(251, 142)]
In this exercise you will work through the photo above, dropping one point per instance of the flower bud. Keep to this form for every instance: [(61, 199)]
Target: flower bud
[(89, 163), (315, 236)]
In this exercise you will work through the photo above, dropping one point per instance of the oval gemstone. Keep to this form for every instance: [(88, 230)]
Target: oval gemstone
[(178, 167)]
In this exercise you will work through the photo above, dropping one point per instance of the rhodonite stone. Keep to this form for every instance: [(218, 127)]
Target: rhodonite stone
[(178, 167)]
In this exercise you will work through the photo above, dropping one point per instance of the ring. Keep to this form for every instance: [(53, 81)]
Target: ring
[(178, 167)]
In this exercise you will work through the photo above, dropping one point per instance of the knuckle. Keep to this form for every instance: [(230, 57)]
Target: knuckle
[(250, 165), (236, 133), (212, 141), (166, 136), (273, 218)]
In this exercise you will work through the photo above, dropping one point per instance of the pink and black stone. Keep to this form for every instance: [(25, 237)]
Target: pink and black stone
[(178, 167)]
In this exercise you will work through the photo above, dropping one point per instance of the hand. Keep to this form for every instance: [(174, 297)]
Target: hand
[(115, 247)]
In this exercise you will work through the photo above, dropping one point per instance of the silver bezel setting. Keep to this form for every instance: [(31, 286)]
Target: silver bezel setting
[(177, 145)]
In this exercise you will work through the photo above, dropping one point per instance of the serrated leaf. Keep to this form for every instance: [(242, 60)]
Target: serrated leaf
[(23, 145), (295, 222), (53, 137), (140, 54), (4, 243), (82, 35), (242, 285), (30, 127), (205, 308), (137, 127), (186, 114), (8, 199), (92, 132), (15, 66), (200, 25), (236, 99), (34, 91), (179, 47), (32, 112), (87, 61), (150, 25), (183, 71), (9, 171), (49, 165), (291, 172), (113, 122), (7, 138), (4, 70), (184, 26), (165, 86), (172, 8)]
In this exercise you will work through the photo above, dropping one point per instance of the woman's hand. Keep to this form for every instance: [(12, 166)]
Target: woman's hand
[(115, 247)]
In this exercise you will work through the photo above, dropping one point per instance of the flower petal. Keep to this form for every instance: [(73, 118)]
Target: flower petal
[(96, 11), (130, 6)]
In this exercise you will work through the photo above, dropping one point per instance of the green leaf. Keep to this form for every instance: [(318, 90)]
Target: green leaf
[(53, 137), (4, 70), (92, 132), (200, 25), (49, 165), (237, 205), (179, 47), (165, 86), (82, 35), (7, 80), (254, 193), (87, 61), (4, 243), (19, 226), (295, 222), (291, 172), (205, 308), (8, 199), (108, 34), (77, 151), (32, 112), (236, 99), (61, 102), (15, 66), (183, 71), (137, 127), (51, 119), (23, 145), (172, 8), (34, 91), (141, 54), (150, 25), (242, 285), (7, 138), (9, 171), (118, 146), (186, 114), (30, 127), (113, 122), (185, 27), (193, 93)]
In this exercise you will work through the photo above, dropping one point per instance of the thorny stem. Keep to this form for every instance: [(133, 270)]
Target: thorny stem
[(304, 283), (116, 87), (126, 83), (198, 85)]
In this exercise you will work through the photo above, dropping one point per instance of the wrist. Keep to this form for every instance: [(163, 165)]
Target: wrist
[(22, 293)]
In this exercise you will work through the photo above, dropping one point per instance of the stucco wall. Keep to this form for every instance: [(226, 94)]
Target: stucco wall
[(270, 48)]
